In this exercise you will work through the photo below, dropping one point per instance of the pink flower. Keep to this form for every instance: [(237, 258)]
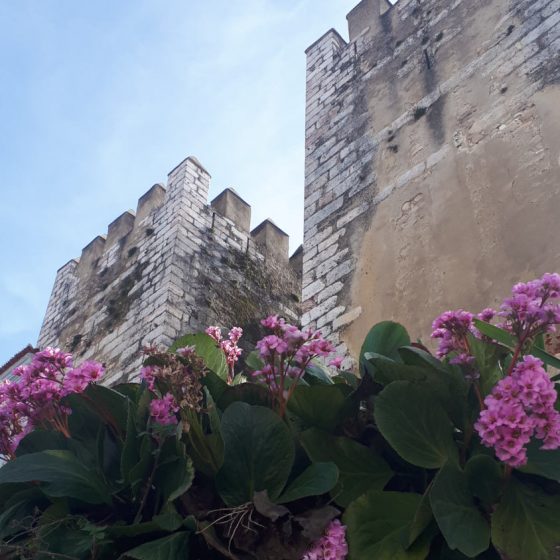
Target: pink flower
[(186, 351), (215, 333), (331, 546), (163, 411), (520, 407), (336, 362)]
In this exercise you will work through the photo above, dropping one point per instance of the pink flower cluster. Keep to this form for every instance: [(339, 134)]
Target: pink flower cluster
[(452, 328), (163, 411), (228, 346), (521, 406), (34, 399), (331, 546), (532, 308), (286, 353)]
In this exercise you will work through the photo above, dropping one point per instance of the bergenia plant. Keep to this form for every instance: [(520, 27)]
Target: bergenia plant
[(286, 353), (35, 398)]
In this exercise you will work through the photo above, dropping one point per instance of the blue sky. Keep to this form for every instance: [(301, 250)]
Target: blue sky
[(99, 100)]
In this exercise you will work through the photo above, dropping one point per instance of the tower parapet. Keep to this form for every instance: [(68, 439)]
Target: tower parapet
[(177, 265), (431, 171)]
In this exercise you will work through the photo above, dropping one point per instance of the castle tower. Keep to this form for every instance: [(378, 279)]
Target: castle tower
[(176, 265), (432, 175)]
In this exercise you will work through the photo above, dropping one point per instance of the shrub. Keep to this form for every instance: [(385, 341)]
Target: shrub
[(445, 456)]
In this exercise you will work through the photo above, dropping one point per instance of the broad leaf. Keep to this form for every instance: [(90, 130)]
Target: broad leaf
[(377, 524), (317, 479), (487, 360), (208, 349), (173, 547), (457, 516), (415, 424), (250, 393), (322, 406), (526, 523), (543, 462), (422, 518), (317, 373), (258, 454), (484, 476), (65, 475), (385, 338), (359, 468), (175, 474)]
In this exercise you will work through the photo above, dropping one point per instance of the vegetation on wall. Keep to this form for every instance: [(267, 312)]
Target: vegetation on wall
[(419, 456)]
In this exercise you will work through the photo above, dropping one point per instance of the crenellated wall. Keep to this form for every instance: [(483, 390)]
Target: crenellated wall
[(175, 266), (432, 161)]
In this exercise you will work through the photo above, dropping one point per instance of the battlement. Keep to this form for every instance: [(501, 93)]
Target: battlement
[(175, 265)]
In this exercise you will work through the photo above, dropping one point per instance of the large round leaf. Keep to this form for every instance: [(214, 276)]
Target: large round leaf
[(526, 523), (385, 338), (64, 474), (415, 424), (207, 348), (378, 524), (544, 462), (258, 454), (317, 479), (360, 469), (457, 516), (322, 406)]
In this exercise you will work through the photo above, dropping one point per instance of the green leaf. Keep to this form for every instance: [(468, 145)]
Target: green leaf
[(543, 462), (253, 361), (446, 383), (484, 476), (167, 548), (487, 358), (359, 468), (65, 475), (415, 424), (496, 333), (422, 518), (41, 440), (258, 454), (108, 404), (317, 479), (168, 519), (316, 373), (207, 349), (175, 474), (378, 522), (526, 523), (511, 342), (215, 385), (322, 406), (386, 371), (385, 338), (250, 393), (547, 358), (457, 516)]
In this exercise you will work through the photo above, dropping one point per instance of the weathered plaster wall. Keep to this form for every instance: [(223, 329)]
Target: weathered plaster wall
[(432, 161), (175, 266)]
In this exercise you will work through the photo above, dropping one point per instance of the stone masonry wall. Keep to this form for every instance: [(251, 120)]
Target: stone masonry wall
[(175, 266), (432, 161)]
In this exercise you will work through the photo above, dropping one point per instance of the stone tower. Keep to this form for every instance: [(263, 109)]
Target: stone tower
[(432, 161), (175, 266)]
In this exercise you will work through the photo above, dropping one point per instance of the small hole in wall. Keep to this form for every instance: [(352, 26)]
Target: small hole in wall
[(404, 63), (510, 30), (503, 89), (149, 231), (394, 148), (425, 40), (419, 112), (132, 251), (439, 36), (398, 44), (391, 136)]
